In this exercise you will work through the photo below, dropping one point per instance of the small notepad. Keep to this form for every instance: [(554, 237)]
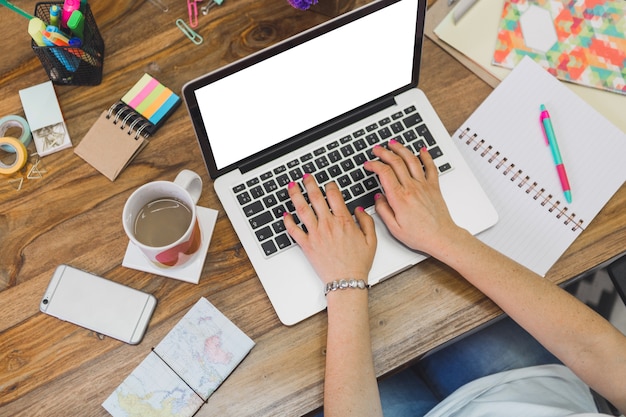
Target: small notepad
[(185, 368), (121, 132)]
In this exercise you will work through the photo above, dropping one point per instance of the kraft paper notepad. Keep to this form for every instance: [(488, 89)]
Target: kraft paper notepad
[(184, 369), (121, 132), (504, 145)]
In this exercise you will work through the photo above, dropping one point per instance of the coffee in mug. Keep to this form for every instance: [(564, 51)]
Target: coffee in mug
[(160, 219)]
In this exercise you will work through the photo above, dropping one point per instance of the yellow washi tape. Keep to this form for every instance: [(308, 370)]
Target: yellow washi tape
[(21, 155), (8, 122)]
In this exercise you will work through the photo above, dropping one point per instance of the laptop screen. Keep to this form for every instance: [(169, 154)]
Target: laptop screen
[(291, 88)]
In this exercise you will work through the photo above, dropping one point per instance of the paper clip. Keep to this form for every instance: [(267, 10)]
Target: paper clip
[(160, 5), (192, 9), (193, 36), (205, 9)]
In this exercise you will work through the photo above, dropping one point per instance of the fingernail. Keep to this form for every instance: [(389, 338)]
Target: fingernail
[(392, 141), (291, 184), (285, 213), (376, 146), (423, 149), (359, 208), (306, 175), (377, 196)]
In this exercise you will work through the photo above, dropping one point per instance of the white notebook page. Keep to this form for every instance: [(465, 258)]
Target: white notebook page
[(591, 147)]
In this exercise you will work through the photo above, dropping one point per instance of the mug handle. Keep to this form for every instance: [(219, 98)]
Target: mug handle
[(191, 182)]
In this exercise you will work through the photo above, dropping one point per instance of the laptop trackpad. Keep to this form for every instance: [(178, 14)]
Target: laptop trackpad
[(391, 256)]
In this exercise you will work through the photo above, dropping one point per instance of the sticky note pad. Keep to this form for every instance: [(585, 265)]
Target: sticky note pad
[(151, 99)]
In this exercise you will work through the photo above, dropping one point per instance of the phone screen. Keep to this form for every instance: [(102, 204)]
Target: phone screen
[(98, 304)]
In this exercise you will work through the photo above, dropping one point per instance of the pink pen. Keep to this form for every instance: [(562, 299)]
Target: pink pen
[(68, 7)]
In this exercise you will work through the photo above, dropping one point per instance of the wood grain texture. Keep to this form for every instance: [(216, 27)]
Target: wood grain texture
[(73, 215)]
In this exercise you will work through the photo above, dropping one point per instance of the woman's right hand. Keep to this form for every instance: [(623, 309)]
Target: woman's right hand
[(412, 206)]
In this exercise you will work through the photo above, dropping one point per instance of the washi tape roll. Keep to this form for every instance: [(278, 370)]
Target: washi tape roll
[(8, 122), (20, 152)]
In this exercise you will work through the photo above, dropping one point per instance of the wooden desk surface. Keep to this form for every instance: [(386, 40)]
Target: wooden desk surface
[(73, 215)]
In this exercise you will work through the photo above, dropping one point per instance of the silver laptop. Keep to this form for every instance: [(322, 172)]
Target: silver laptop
[(317, 103)]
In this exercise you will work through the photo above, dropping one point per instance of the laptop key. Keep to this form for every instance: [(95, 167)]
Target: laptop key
[(423, 131), (269, 248), (309, 168), (244, 198), (283, 241), (435, 152), (322, 162), (347, 150), (295, 174), (279, 226), (445, 167), (321, 177), (334, 171), (357, 189), (347, 165), (239, 188), (334, 156), (365, 201), (270, 200), (270, 186), (257, 191), (254, 208), (384, 133), (370, 183), (359, 159), (360, 144), (264, 233), (282, 194), (412, 120), (261, 220), (283, 180), (397, 127)]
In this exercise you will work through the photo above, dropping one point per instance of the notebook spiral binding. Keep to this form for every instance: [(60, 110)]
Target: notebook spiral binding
[(126, 116), (524, 182)]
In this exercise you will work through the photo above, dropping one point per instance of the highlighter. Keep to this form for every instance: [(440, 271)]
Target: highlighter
[(35, 28), (55, 12), (68, 7), (76, 23)]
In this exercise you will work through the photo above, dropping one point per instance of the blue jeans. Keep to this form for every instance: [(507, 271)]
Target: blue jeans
[(501, 346)]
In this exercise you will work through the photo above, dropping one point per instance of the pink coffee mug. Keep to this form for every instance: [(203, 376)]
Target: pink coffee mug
[(186, 188)]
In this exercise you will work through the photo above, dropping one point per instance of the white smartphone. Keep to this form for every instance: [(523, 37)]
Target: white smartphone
[(98, 304)]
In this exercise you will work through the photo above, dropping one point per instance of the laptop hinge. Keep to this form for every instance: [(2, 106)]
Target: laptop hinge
[(315, 133)]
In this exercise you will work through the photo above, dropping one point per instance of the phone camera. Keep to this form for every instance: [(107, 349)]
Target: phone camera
[(45, 301)]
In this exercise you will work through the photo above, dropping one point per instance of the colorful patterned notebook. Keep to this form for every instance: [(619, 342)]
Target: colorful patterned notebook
[(184, 369), (583, 41)]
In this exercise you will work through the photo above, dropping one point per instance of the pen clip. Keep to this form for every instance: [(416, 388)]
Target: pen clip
[(542, 116)]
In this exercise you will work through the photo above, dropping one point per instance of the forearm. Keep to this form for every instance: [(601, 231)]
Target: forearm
[(350, 387), (579, 337)]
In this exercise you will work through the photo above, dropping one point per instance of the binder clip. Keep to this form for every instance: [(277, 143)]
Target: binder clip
[(205, 9)]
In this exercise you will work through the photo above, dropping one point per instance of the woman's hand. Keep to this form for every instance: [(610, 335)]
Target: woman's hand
[(337, 247), (412, 208)]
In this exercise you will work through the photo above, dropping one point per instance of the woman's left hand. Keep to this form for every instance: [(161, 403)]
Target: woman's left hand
[(336, 245)]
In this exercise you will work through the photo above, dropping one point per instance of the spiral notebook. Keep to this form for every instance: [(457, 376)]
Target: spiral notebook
[(503, 143), (121, 132)]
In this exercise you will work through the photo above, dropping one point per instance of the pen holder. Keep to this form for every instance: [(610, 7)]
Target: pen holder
[(69, 65)]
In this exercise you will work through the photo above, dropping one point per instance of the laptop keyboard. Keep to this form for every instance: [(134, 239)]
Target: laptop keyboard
[(264, 198)]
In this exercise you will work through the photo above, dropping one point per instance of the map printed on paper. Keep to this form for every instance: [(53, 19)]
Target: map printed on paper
[(184, 369)]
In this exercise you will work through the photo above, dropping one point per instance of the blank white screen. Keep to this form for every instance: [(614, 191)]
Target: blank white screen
[(309, 84)]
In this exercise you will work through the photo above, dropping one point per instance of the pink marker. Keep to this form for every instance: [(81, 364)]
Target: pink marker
[(68, 7)]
